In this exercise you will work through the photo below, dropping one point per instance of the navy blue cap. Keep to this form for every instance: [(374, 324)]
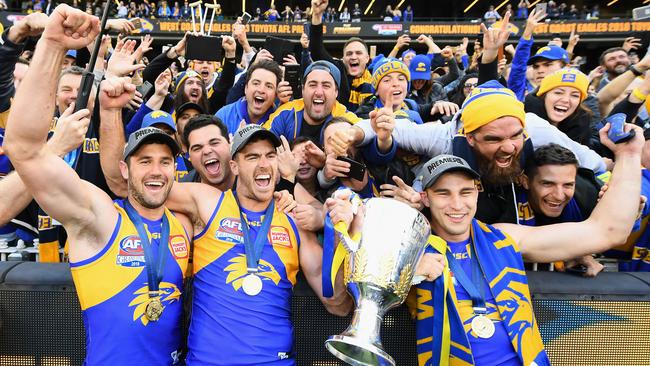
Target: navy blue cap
[(550, 53), (326, 66), (420, 68), (157, 118)]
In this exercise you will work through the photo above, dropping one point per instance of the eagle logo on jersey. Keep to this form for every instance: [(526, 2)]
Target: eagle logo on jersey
[(168, 294), (237, 271)]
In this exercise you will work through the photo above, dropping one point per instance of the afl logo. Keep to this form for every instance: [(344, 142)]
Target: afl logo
[(231, 225), (230, 230), (131, 253)]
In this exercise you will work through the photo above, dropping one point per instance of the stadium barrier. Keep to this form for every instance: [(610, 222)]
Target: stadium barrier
[(601, 321)]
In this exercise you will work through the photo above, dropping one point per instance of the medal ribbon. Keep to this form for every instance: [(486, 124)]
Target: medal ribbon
[(154, 275), (474, 287), (254, 249)]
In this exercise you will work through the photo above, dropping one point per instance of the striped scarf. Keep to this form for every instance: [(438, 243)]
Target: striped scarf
[(504, 270)]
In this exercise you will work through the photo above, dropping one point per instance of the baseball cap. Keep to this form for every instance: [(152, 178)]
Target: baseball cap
[(326, 66), (550, 53), (147, 135), (420, 68), (441, 164), (71, 53), (158, 117), (189, 105), (246, 133)]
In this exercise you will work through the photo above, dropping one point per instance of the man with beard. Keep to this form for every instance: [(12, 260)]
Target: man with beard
[(262, 80), (492, 140), (246, 258), (130, 299), (306, 116), (356, 81), (615, 61), (480, 311)]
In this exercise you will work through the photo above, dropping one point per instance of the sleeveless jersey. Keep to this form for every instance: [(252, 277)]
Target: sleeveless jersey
[(228, 326), (113, 292)]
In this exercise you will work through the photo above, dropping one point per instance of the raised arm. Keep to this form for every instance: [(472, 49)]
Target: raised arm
[(78, 205), (609, 224)]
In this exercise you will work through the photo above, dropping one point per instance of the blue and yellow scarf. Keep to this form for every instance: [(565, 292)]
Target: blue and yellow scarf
[(503, 267)]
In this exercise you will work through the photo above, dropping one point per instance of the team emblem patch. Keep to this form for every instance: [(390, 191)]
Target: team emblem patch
[(279, 235), (130, 253), (179, 246), (568, 78), (230, 230)]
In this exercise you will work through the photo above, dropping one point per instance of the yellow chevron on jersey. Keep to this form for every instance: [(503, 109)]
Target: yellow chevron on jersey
[(237, 271), (169, 293), (224, 232), (121, 261)]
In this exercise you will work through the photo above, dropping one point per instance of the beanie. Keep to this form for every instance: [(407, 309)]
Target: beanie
[(565, 77), (488, 102), (387, 66), (325, 66)]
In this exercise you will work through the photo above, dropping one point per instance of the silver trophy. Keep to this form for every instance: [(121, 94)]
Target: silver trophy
[(378, 272)]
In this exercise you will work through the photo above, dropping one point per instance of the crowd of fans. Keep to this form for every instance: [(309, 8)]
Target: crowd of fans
[(181, 10), (531, 123)]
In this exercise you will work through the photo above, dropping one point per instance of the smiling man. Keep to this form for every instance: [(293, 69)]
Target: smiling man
[(495, 136), (306, 116), (129, 317), (356, 79), (256, 105)]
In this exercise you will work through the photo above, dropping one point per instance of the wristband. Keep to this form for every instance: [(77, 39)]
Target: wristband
[(637, 94), (285, 184), (230, 59), (634, 70)]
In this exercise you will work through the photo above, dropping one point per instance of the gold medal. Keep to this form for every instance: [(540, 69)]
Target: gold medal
[(154, 309), (482, 326), (252, 284)]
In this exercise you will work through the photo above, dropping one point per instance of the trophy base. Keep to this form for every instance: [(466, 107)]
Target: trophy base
[(357, 353)]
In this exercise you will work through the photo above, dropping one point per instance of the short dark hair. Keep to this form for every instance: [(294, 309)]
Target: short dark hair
[(269, 65), (356, 39), (200, 121), (601, 59), (551, 154), (301, 139)]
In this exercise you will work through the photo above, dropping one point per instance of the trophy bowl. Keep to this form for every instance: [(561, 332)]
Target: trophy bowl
[(378, 272)]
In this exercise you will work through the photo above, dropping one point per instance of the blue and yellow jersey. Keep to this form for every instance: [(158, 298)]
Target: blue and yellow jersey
[(636, 250), (287, 119), (113, 293), (183, 167), (228, 326), (232, 114)]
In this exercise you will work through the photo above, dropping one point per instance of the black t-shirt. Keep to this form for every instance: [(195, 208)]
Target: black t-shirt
[(311, 131)]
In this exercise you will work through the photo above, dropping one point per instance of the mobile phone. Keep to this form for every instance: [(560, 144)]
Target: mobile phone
[(204, 48), (292, 76), (306, 28), (541, 8), (279, 48), (357, 169), (145, 88), (245, 18), (137, 23), (578, 270)]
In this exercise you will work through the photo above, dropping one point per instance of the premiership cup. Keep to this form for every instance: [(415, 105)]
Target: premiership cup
[(378, 271)]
